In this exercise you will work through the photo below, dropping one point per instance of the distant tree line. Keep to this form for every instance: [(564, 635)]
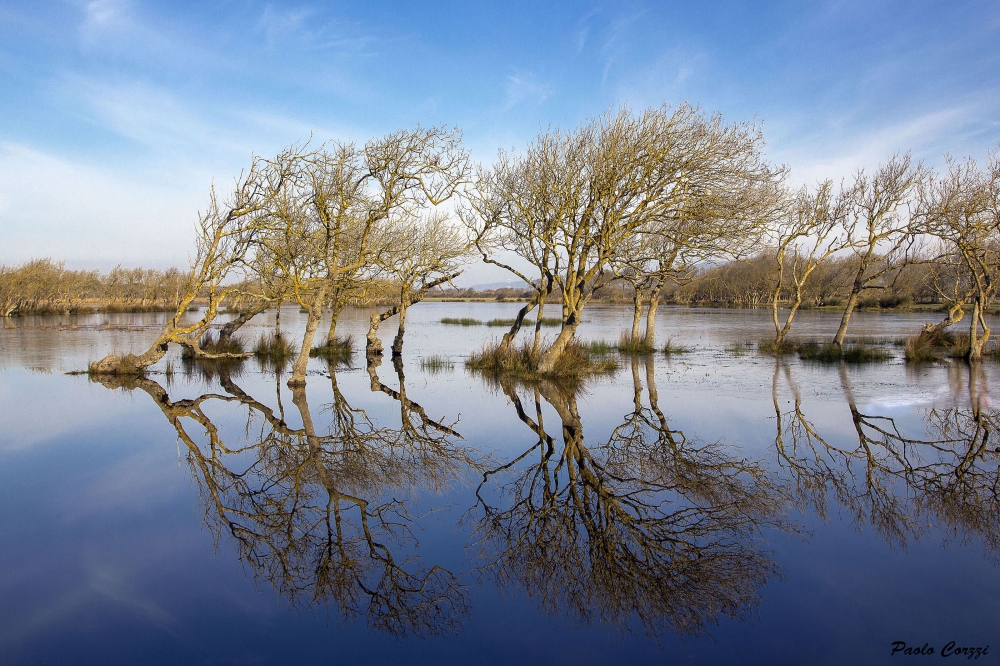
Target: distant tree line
[(669, 203)]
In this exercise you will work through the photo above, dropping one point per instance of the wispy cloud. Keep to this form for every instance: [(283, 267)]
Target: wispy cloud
[(525, 88)]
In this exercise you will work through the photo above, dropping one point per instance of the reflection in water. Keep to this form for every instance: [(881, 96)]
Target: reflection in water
[(897, 483), (649, 526), (312, 513)]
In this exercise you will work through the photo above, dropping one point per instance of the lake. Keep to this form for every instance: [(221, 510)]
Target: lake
[(711, 507)]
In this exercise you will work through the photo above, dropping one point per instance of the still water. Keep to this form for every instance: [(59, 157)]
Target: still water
[(713, 507)]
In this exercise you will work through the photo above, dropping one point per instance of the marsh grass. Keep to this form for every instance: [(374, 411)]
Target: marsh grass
[(273, 351), (852, 353), (575, 363), (212, 345), (436, 364), (599, 347), (930, 347), (778, 348), (339, 350), (740, 348), (464, 321), (670, 348), (635, 346), (528, 321)]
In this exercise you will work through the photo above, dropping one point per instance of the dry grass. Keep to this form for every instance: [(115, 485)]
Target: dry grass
[(576, 362), (635, 345), (778, 348), (273, 351), (831, 353), (464, 321), (336, 351)]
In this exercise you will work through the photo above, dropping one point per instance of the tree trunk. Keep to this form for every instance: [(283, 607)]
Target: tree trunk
[(654, 303), (636, 313), (955, 314), (298, 377), (976, 343), (547, 362), (852, 302), (230, 327), (538, 329), (397, 342), (508, 337)]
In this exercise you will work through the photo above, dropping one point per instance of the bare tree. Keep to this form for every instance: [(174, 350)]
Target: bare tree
[(809, 232), (879, 227), (575, 197), (962, 208)]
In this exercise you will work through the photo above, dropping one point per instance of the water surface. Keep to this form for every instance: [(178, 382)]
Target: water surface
[(688, 509)]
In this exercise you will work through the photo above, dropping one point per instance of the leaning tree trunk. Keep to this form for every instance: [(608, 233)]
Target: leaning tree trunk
[(397, 342), (373, 347), (955, 314), (852, 303), (548, 359), (230, 327), (976, 343), (298, 377), (508, 337)]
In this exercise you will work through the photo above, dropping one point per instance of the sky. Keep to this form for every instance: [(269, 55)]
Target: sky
[(117, 116)]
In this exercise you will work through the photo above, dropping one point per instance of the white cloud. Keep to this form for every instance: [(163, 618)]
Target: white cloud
[(525, 87)]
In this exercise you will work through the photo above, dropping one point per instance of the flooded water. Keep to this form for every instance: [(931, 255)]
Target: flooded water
[(717, 506)]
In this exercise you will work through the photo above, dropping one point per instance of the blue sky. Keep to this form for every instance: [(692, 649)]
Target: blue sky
[(117, 115)]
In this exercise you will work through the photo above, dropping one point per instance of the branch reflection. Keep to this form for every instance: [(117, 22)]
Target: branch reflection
[(313, 512), (649, 526), (897, 483)]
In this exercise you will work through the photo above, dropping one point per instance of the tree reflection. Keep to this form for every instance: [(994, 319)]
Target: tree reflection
[(895, 482), (312, 511), (649, 527)]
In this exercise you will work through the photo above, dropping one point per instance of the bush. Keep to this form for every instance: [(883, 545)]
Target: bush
[(896, 302)]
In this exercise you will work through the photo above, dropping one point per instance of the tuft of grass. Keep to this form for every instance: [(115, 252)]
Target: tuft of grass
[(339, 350), (959, 346), (436, 364), (778, 348), (740, 348), (599, 347), (527, 321), (670, 348), (576, 362), (929, 347), (464, 321), (831, 353), (640, 345), (211, 345), (273, 351)]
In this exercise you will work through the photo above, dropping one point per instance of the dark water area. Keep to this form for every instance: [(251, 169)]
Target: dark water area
[(713, 507)]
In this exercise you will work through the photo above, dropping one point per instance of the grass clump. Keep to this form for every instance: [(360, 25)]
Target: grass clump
[(670, 348), (117, 366), (338, 350), (464, 321), (436, 364), (576, 362), (928, 347), (599, 347), (739, 348), (831, 353), (635, 345), (778, 348), (211, 345), (527, 321), (274, 349)]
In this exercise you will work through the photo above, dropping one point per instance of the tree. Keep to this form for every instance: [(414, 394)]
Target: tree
[(878, 233), (574, 198), (810, 231), (962, 208), (225, 241)]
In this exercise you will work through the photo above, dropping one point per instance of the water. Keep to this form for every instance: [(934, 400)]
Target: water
[(745, 509)]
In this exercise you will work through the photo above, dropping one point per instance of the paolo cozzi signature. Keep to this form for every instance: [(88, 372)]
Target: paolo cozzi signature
[(951, 649)]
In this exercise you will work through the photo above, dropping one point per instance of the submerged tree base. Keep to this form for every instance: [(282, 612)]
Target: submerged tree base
[(114, 365), (576, 362)]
